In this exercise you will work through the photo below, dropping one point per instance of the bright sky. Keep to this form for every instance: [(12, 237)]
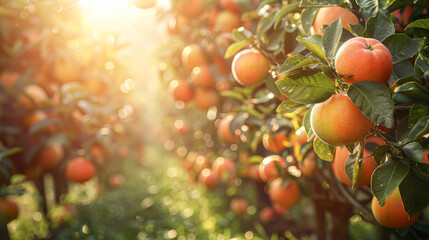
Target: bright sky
[(135, 26)]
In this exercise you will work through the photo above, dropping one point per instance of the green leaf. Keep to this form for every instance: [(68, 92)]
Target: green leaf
[(237, 47), (275, 41), (307, 125), (420, 66), (420, 129), (256, 139), (373, 100), (320, 3), (241, 34), (423, 170), (371, 7), (380, 152), (232, 94), (401, 46), (282, 13), (421, 23), (357, 29), (353, 164), (415, 92), (287, 105), (255, 159), (387, 177), (314, 44), (296, 62), (373, 27), (401, 70), (266, 23), (331, 38), (10, 152), (42, 125), (414, 151), (307, 18), (270, 82), (417, 113), (414, 193), (323, 150), (307, 87)]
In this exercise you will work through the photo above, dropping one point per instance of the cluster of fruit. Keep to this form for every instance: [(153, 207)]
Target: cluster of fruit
[(307, 83), (63, 113)]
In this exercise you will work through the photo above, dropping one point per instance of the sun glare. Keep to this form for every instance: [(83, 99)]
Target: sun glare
[(104, 12)]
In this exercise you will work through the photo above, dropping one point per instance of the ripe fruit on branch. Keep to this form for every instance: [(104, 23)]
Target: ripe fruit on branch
[(363, 59), (230, 5), (270, 166), (79, 170), (116, 180), (206, 98), (34, 118), (224, 168), (392, 214), (364, 177), (425, 156), (182, 91), (250, 67), (267, 214), (327, 15), (192, 56), (50, 156), (301, 136), (308, 165), (9, 78), (32, 95), (239, 206), (338, 121), (226, 21), (275, 142), (201, 162), (202, 77), (8, 210), (287, 195), (224, 130), (209, 178), (190, 8)]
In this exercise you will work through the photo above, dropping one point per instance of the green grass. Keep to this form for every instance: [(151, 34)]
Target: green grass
[(157, 202)]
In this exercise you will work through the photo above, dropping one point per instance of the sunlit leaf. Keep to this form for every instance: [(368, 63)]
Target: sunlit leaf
[(307, 125), (282, 13), (296, 62), (237, 47), (287, 105), (323, 150), (306, 87), (319, 3), (331, 38), (314, 44)]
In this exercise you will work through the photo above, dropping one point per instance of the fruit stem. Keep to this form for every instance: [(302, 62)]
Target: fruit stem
[(369, 47)]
